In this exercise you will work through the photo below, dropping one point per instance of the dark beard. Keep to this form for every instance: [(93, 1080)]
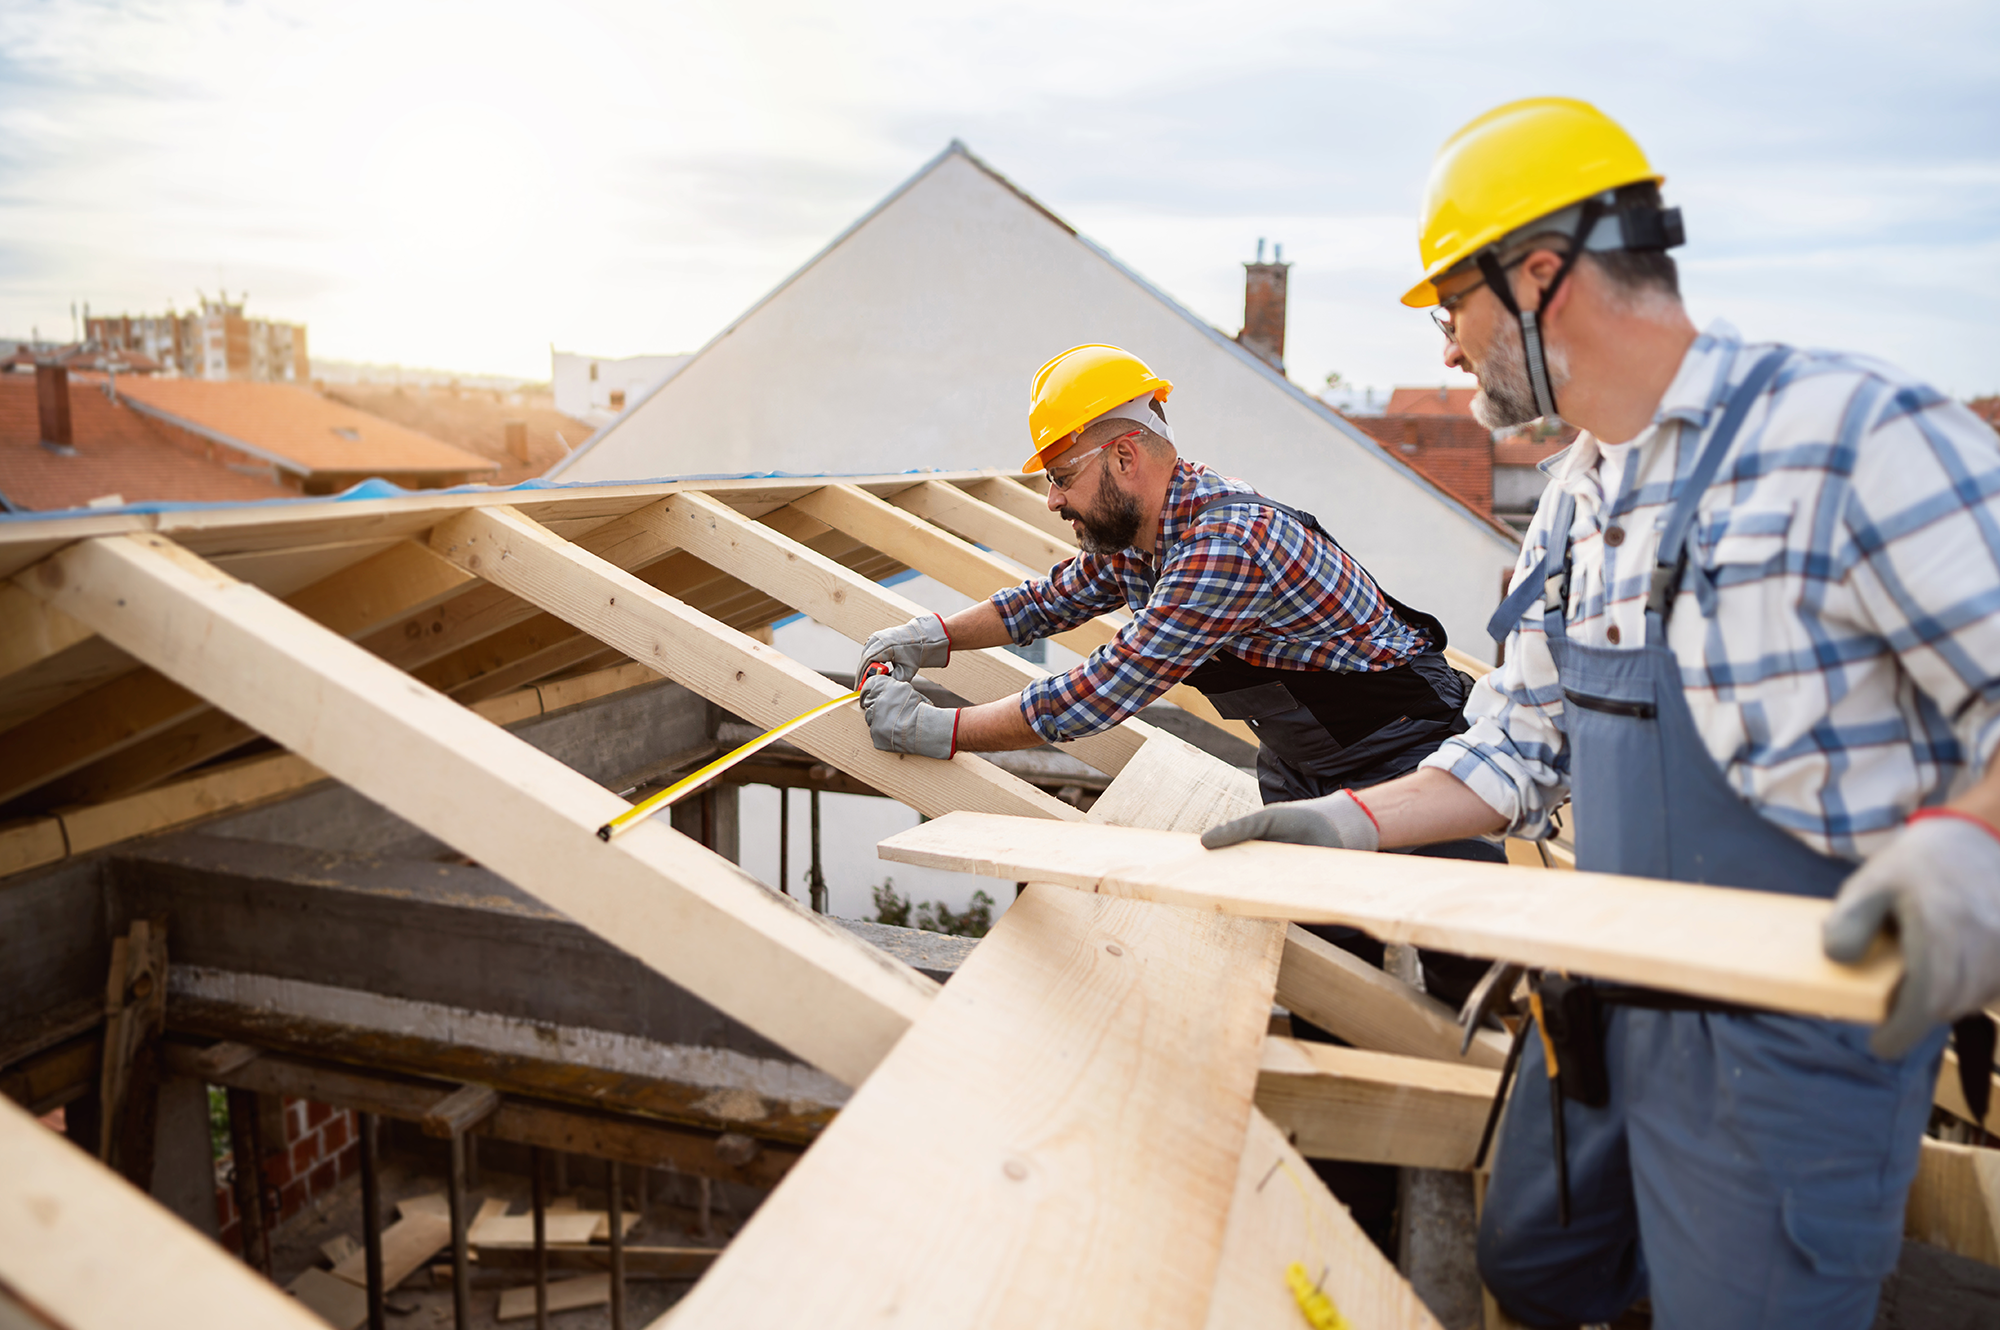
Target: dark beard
[(1115, 524)]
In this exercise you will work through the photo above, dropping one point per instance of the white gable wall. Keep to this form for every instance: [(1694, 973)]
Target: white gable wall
[(910, 344)]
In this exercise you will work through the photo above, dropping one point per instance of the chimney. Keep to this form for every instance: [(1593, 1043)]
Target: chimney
[(517, 440), (52, 405), (1264, 307)]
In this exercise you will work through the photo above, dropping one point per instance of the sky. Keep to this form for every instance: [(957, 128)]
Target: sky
[(465, 185)]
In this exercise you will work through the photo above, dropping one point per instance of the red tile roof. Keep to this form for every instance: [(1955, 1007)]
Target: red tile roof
[(1456, 452), (301, 429), (118, 451), (1431, 402)]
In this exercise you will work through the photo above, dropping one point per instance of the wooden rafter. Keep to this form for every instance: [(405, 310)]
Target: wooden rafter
[(762, 554), (689, 913), (1034, 1152), (755, 681)]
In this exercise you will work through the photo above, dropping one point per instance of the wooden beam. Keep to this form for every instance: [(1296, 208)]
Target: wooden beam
[(63, 1217), (845, 601), (690, 914), (1377, 1108), (1955, 1201), (1174, 786), (757, 682), (32, 631), (1372, 1009), (137, 706), (971, 572), (1010, 496), (1752, 947), (963, 515), (1281, 1214), (1054, 1142)]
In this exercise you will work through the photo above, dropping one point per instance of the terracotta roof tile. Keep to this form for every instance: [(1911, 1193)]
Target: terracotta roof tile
[(1456, 452), (475, 419), (118, 451), (311, 433), (1431, 402)]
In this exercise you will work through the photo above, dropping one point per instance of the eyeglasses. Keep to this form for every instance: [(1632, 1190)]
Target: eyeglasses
[(1072, 473), (1445, 315)]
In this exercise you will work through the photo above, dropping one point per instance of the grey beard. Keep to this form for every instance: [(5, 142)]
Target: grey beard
[(1505, 397), (1115, 524)]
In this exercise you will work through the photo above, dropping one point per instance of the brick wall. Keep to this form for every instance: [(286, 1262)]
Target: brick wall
[(320, 1148)]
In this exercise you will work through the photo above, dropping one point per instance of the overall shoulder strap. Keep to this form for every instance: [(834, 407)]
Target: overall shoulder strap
[(1674, 535), (1554, 563)]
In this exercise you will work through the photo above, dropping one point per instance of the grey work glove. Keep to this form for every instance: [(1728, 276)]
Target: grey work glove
[(900, 721), (1337, 821), (922, 643), (1937, 887)]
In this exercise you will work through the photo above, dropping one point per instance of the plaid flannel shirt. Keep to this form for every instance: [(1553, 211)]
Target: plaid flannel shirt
[(1849, 671), (1253, 581)]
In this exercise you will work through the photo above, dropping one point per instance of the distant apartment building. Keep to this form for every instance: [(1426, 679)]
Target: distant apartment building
[(597, 389), (216, 342)]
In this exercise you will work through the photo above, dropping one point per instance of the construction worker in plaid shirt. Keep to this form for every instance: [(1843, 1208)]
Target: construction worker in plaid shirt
[(1754, 636), (1240, 596)]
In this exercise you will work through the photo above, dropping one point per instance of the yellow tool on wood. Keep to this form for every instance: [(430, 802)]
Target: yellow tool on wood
[(693, 781)]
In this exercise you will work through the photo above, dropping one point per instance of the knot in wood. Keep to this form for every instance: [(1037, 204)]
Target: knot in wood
[(1114, 949), (1015, 1169)]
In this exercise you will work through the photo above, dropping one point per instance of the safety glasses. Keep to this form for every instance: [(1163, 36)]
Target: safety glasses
[(1067, 478)]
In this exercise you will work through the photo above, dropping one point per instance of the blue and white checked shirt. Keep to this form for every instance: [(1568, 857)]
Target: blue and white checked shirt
[(1851, 671)]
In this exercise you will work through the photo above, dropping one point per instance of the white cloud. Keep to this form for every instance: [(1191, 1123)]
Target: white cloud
[(463, 184)]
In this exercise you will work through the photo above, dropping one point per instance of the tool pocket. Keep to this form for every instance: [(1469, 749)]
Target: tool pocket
[(1573, 1018)]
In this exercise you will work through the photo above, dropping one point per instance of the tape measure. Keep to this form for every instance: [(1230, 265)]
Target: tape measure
[(694, 780)]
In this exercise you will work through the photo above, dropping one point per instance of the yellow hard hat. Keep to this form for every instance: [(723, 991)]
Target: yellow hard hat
[(1076, 388), (1511, 166)]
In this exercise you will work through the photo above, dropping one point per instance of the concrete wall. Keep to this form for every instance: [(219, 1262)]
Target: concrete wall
[(911, 344)]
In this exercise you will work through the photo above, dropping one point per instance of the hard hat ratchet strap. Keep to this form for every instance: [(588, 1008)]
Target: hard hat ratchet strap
[(1530, 320)]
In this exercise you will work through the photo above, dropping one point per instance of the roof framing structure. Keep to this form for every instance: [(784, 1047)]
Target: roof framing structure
[(1085, 1126)]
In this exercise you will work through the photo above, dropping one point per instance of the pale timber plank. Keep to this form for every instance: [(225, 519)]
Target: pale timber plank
[(1017, 500), (1174, 786), (1955, 1200), (688, 913), (757, 682), (1372, 1009), (983, 524), (31, 631), (1281, 1213), (1375, 1108), (1054, 1142), (87, 729), (563, 1295), (340, 1304), (406, 1245), (88, 1251), (843, 600), (1753, 947), (971, 572)]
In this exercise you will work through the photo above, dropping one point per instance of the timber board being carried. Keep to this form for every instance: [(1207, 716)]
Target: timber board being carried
[(1752, 947)]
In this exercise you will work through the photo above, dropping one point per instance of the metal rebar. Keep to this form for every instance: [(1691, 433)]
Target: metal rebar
[(246, 1145), (461, 1265), (815, 880), (540, 1204), (371, 1214), (617, 1245), (784, 845)]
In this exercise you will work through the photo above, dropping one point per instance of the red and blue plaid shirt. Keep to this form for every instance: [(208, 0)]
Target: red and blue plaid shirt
[(1250, 580)]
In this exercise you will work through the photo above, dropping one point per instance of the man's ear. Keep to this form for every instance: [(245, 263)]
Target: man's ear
[(1541, 268)]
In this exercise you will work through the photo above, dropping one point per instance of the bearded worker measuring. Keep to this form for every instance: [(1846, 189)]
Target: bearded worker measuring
[(1755, 636), (1240, 596)]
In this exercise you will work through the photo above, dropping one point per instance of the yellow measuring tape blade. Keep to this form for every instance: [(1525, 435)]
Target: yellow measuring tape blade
[(687, 784)]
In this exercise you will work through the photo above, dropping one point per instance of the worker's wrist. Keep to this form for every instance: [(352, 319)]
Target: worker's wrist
[(1956, 814)]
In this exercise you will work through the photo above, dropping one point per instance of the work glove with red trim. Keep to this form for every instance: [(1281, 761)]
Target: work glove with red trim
[(901, 721), (920, 644), (1936, 887), (1338, 821)]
